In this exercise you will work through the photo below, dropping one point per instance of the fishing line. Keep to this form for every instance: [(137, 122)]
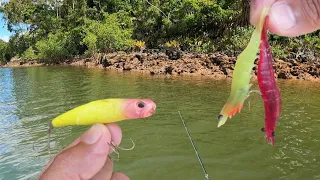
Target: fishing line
[(206, 175), (252, 91)]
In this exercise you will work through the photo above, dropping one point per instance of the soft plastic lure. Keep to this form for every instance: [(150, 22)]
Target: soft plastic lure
[(242, 74), (268, 87)]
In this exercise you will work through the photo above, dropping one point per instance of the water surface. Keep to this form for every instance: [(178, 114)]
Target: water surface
[(31, 97)]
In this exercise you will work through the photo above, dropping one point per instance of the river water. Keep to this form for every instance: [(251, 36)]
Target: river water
[(31, 97)]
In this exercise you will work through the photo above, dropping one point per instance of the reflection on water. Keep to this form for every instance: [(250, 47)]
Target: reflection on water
[(31, 97)]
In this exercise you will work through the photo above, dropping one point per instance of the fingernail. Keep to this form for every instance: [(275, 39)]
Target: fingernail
[(283, 15), (92, 135)]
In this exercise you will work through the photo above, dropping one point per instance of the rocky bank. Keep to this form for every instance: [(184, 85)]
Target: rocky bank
[(214, 65)]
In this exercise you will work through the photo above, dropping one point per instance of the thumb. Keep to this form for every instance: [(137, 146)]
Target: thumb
[(83, 160), (289, 17)]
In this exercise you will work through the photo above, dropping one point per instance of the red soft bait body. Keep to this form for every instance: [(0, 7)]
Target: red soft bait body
[(268, 87)]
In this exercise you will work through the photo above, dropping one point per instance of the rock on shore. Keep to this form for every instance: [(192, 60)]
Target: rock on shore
[(214, 65)]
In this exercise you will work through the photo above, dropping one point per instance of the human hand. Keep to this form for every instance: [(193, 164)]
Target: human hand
[(288, 17), (87, 157)]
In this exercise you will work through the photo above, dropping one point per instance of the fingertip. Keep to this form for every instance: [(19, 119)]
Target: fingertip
[(96, 132), (96, 129), (105, 139), (104, 130), (119, 176)]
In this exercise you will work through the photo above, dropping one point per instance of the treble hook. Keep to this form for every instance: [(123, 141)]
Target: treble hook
[(116, 148), (129, 149)]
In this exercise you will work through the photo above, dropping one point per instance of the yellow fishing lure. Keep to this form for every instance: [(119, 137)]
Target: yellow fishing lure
[(106, 111)]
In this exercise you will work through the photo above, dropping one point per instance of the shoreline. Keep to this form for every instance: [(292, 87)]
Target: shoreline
[(213, 65)]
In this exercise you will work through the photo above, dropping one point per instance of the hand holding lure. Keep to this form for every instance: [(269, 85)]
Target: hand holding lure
[(268, 87), (104, 111), (242, 74)]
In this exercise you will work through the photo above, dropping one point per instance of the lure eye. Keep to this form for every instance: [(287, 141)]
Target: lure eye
[(141, 104)]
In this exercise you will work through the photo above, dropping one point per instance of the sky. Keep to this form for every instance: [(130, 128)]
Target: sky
[(4, 33)]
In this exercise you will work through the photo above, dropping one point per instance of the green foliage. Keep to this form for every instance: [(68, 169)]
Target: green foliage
[(311, 46), (197, 45), (156, 24), (278, 51), (55, 30), (52, 49), (106, 36), (303, 47), (300, 48), (237, 42), (4, 56), (173, 43), (74, 38), (29, 54), (140, 45), (91, 42), (19, 43)]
